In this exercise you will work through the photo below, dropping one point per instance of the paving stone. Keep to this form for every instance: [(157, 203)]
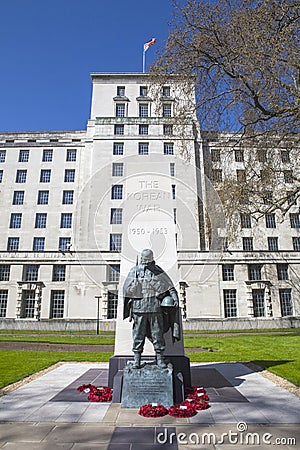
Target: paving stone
[(80, 433), (35, 446)]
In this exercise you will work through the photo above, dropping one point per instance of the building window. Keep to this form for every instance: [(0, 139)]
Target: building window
[(143, 129), (112, 305), (175, 215), (282, 272), (43, 197), (4, 272), (120, 109), (57, 300), (143, 110), (291, 198), (273, 244), (21, 176), (15, 220), (230, 308), (114, 273), (116, 215), (217, 175), (24, 156), (262, 155), (69, 175), (28, 303), (258, 296), (254, 272), (117, 169), (13, 244), (288, 176), (167, 110), (268, 198), (166, 91), (168, 130), (71, 155), (1, 176), (3, 302), (286, 303), (121, 91), (295, 220), (64, 244), (18, 198), (40, 220), (245, 220), (68, 197), (47, 155), (168, 148), (241, 176), (173, 191), (296, 244), (117, 192), (285, 156), (238, 155), (66, 220), (143, 91), (270, 220), (115, 242), (228, 272), (38, 244), (2, 156), (45, 176), (118, 148), (215, 155), (119, 129), (30, 272), (248, 244), (143, 148), (59, 272), (172, 169)]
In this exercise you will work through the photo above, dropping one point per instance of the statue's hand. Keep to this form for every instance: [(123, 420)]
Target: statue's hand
[(133, 288)]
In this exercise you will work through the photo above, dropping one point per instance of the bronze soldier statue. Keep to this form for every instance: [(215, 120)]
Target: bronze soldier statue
[(151, 300)]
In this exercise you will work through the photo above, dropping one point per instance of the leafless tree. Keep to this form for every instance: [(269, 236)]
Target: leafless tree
[(244, 57)]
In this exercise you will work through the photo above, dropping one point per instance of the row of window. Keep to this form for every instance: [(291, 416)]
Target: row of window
[(43, 197), (47, 155), (217, 175), (143, 92), (40, 220), (270, 218), (45, 176), (121, 110), (143, 148), (57, 303), (31, 272), (272, 244), (258, 298), (13, 244), (262, 155), (255, 272)]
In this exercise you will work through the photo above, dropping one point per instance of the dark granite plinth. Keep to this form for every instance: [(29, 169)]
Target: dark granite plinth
[(149, 384)]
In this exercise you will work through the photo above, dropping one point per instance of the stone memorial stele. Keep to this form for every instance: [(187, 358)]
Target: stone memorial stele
[(149, 344)]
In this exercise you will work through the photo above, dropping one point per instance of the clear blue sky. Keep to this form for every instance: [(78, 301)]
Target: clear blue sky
[(50, 47)]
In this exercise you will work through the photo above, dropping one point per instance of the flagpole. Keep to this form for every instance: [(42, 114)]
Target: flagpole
[(144, 60)]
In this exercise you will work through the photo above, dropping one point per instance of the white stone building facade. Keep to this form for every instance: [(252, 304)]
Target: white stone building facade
[(62, 224)]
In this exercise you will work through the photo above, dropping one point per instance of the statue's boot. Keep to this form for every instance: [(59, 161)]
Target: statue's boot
[(137, 360), (160, 359)]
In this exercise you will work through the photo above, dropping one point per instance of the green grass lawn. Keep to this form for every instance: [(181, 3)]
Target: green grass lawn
[(67, 339), (15, 365), (279, 353)]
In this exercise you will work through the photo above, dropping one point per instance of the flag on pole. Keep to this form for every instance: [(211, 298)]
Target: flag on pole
[(149, 43)]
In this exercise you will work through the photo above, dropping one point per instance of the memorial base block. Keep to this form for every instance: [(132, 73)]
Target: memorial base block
[(149, 384)]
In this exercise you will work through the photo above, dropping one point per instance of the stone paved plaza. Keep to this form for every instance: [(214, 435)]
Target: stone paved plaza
[(49, 413)]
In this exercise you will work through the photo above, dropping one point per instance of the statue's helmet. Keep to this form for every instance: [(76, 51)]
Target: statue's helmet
[(146, 256), (168, 301)]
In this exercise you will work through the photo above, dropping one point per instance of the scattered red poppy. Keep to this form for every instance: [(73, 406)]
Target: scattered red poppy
[(153, 410)]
